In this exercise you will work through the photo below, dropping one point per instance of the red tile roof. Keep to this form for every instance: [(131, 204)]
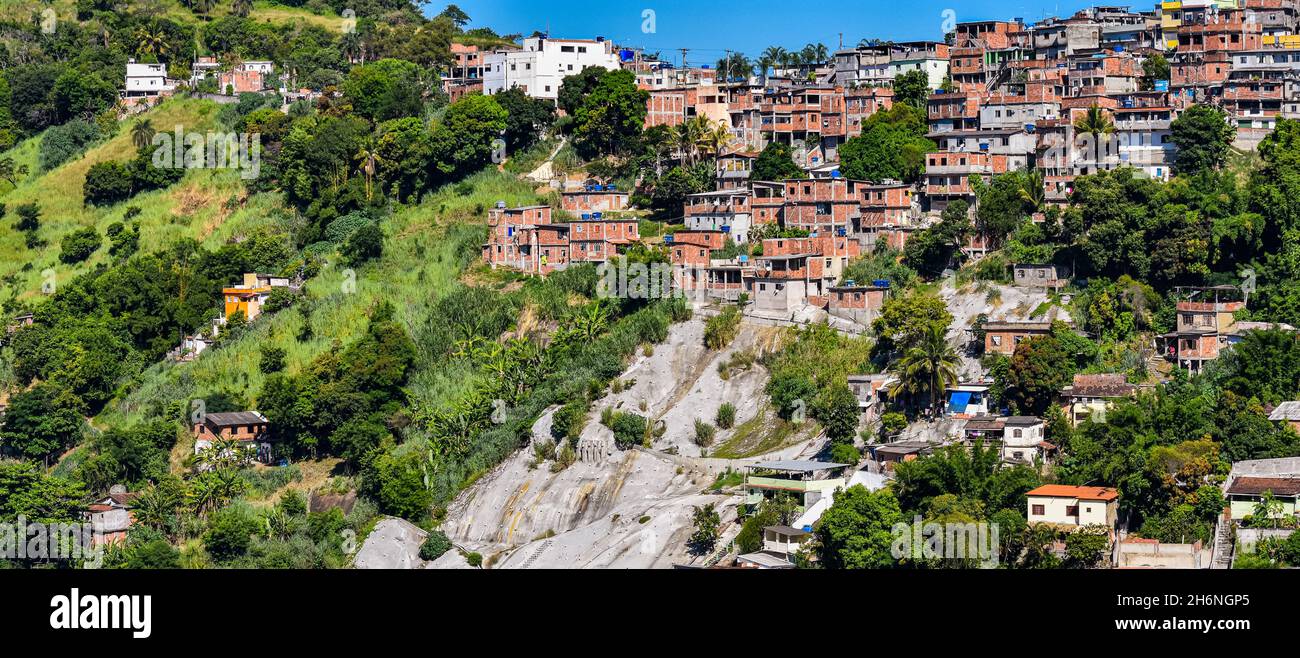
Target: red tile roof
[(1082, 493)]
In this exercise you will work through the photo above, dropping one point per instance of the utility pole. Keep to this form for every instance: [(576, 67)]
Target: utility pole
[(681, 74)]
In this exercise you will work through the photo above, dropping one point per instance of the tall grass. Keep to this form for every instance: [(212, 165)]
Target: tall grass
[(194, 208)]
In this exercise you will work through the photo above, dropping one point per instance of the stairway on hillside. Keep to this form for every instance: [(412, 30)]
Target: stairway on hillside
[(537, 552), (1222, 554)]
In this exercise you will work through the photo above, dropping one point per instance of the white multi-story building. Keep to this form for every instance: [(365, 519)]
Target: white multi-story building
[(543, 63), (146, 80)]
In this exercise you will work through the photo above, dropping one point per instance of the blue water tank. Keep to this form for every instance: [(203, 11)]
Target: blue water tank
[(586, 215), (595, 215), (881, 283)]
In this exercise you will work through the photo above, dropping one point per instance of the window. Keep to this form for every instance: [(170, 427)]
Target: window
[(1016, 434), (1071, 510), (1037, 510)]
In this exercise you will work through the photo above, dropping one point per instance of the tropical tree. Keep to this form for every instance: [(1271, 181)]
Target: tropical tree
[(142, 134), (1094, 122), (369, 158), (241, 8), (590, 323), (773, 56), (929, 366), (1032, 189), (10, 171), (1267, 511), (716, 138), (152, 41)]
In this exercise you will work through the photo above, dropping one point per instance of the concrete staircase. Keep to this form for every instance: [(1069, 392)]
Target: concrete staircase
[(1221, 558), (537, 552)]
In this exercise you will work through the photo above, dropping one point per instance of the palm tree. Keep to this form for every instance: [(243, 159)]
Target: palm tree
[(152, 42), (369, 158), (689, 136), (772, 57), (930, 365), (142, 134), (809, 54), (1094, 123), (717, 137), (822, 52), (350, 42), (203, 7), (1032, 190)]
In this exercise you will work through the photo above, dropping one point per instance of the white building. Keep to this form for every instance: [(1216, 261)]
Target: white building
[(146, 80), (1071, 506), (543, 63), (1022, 439)]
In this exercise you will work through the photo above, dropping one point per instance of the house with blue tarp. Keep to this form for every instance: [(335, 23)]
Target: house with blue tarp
[(968, 400)]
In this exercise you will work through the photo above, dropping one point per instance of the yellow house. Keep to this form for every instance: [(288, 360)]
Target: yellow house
[(249, 296)]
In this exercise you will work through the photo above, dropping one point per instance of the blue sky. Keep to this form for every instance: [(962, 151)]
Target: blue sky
[(707, 28)]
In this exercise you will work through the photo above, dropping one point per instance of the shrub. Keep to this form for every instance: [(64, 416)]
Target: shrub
[(272, 359), (726, 416), (280, 299), (229, 534), (629, 429), (434, 545), (366, 243), (703, 433), (720, 329), (845, 453), (566, 422), (107, 183), (78, 245), (62, 143), (29, 217)]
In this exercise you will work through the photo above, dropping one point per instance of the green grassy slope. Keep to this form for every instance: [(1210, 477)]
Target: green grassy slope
[(263, 11), (194, 208), (426, 248)]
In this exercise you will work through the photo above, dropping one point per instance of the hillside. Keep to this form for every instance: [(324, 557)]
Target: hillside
[(263, 11), (200, 207)]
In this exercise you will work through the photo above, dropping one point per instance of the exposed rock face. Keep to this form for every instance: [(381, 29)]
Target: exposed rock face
[(393, 544), (680, 383), (589, 514)]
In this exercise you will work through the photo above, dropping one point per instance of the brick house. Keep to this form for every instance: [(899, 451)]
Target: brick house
[(830, 205), (597, 240), (1038, 276), (725, 210), (1002, 337), (1206, 319), (594, 198), (111, 517), (1287, 412), (248, 428), (856, 303), (767, 202)]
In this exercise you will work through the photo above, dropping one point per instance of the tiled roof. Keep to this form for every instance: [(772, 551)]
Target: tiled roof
[(1069, 491), (1253, 486)]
